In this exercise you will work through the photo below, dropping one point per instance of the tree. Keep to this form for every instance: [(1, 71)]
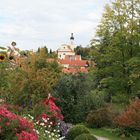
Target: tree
[(117, 52), (29, 84), (70, 91), (84, 52)]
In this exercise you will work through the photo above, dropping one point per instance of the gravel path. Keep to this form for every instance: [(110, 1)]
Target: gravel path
[(101, 138)]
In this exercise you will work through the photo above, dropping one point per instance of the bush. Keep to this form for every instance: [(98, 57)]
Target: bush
[(76, 131), (121, 98), (14, 127), (130, 119), (85, 137), (91, 101), (100, 118), (69, 95)]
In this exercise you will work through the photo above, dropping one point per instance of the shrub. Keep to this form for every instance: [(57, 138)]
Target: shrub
[(85, 137), (64, 128), (130, 119), (14, 127), (99, 118), (91, 101), (121, 98), (76, 131)]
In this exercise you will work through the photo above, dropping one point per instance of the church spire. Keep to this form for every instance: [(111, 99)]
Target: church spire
[(72, 39)]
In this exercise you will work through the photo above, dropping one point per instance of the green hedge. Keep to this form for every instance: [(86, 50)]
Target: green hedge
[(85, 137), (76, 131)]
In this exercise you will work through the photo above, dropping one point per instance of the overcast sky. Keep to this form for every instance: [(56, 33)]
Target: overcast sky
[(35, 23)]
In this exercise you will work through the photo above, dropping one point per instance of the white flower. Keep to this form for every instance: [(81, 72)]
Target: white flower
[(46, 131), (51, 123), (42, 124), (46, 121), (49, 126), (52, 134), (61, 138), (37, 132), (30, 116)]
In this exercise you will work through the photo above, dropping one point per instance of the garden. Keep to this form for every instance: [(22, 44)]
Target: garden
[(39, 102)]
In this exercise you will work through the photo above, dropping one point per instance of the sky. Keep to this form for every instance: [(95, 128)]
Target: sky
[(37, 23)]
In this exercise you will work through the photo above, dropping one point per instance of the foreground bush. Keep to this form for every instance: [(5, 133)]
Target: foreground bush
[(85, 137), (76, 131), (130, 119), (14, 127), (99, 118)]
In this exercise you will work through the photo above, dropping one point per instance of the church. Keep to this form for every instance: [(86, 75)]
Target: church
[(71, 62)]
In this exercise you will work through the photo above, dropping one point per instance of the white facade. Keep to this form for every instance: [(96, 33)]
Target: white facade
[(65, 50)]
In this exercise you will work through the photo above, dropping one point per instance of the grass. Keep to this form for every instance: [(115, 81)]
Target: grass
[(107, 133)]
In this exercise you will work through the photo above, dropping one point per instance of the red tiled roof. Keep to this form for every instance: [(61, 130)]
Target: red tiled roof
[(74, 63)]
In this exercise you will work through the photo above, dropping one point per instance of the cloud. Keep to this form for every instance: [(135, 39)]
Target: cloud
[(33, 23)]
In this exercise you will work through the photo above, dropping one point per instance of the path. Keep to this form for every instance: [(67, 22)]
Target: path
[(101, 138)]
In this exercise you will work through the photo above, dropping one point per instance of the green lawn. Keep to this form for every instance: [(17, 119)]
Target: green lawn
[(108, 134)]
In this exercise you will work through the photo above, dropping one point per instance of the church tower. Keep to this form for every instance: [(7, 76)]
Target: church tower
[(72, 45), (72, 39)]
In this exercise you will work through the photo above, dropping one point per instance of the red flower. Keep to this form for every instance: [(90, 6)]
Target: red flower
[(27, 136), (54, 109), (7, 123)]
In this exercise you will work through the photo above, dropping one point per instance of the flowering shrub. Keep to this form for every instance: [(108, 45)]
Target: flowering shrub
[(53, 108), (130, 119), (47, 120), (45, 128), (48, 110), (24, 135), (64, 128), (46, 123), (13, 126)]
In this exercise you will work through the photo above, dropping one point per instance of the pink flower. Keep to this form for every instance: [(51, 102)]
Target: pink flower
[(7, 123), (24, 123), (27, 136)]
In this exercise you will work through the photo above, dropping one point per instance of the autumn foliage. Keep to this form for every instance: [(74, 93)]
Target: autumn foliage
[(130, 119)]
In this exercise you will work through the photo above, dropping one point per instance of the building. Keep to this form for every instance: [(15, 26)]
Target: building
[(66, 49), (71, 62)]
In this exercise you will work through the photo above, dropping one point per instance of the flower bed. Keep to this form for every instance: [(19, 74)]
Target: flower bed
[(15, 126)]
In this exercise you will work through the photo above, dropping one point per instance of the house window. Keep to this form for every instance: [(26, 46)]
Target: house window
[(72, 57)]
